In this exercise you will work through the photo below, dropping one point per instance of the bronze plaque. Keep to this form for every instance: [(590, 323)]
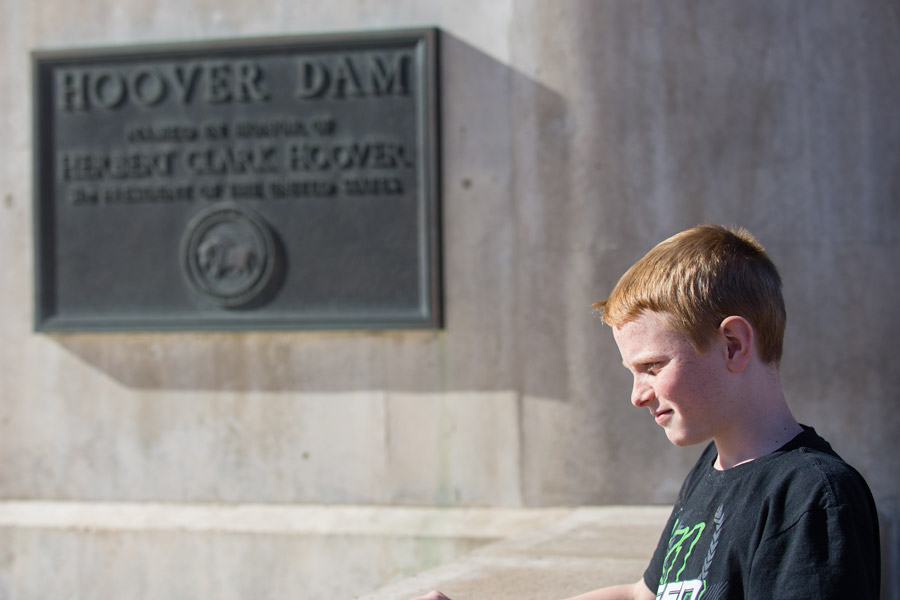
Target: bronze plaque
[(276, 183)]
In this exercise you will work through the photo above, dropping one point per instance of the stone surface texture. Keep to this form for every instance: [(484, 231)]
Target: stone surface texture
[(575, 135), (581, 551)]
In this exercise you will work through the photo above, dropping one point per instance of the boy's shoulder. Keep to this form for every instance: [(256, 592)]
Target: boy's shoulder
[(810, 467), (806, 473)]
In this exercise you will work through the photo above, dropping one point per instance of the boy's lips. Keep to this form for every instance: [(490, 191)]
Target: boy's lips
[(661, 416)]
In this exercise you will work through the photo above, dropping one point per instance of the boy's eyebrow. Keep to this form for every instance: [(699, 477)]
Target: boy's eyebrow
[(643, 360)]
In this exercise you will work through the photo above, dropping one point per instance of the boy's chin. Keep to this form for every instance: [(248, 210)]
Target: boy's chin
[(683, 439)]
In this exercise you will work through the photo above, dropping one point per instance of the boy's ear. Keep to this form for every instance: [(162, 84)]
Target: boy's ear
[(739, 342)]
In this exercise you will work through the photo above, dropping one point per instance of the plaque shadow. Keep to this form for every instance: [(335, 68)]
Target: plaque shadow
[(498, 166)]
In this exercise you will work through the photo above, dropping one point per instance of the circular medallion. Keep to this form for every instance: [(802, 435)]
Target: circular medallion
[(228, 254)]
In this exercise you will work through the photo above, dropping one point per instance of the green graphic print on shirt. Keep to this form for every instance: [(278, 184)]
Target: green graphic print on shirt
[(682, 544)]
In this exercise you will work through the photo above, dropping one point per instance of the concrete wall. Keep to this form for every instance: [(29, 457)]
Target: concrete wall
[(576, 134)]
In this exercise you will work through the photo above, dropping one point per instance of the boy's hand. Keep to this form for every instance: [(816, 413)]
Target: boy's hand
[(435, 595)]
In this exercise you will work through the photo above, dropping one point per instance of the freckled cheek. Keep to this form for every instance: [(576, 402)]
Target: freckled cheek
[(693, 392), (683, 391)]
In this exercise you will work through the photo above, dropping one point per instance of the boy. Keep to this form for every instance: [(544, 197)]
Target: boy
[(769, 510)]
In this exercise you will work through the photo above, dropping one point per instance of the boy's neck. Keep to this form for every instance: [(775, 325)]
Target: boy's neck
[(762, 424), (760, 448)]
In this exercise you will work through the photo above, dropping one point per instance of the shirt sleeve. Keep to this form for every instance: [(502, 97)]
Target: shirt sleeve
[(653, 572), (827, 553)]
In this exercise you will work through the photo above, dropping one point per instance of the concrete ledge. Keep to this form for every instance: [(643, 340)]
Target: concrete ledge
[(157, 550), (587, 549), (426, 522)]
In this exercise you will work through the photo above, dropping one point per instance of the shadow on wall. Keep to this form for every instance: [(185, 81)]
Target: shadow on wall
[(505, 313)]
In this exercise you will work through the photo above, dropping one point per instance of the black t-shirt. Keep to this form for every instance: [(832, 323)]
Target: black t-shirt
[(797, 523)]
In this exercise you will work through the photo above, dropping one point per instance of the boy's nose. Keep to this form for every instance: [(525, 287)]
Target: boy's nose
[(641, 393)]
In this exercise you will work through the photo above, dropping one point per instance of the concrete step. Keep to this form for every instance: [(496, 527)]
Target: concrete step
[(155, 551), (589, 548)]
